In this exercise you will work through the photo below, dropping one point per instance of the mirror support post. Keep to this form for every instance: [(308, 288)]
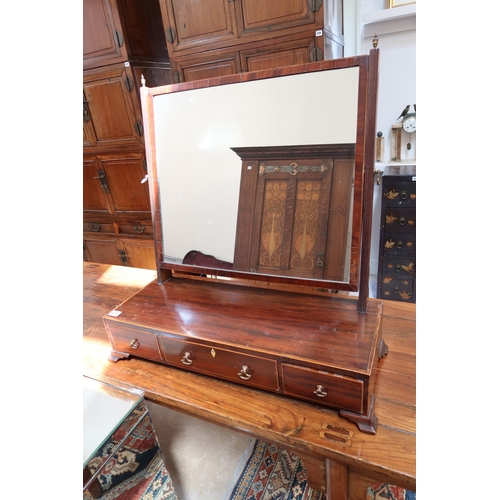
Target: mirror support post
[(369, 162)]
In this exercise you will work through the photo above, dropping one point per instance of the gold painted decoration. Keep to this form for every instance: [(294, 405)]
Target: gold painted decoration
[(389, 243), (408, 268), (392, 194), (387, 279), (389, 219)]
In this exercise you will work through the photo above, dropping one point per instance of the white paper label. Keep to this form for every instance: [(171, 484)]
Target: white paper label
[(319, 32), (114, 313)]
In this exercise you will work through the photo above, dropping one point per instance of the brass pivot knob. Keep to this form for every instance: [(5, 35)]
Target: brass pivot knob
[(321, 391), (245, 373), (187, 359), (134, 344)]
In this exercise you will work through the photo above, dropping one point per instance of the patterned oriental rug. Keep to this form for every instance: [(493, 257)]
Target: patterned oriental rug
[(273, 473), (131, 467)]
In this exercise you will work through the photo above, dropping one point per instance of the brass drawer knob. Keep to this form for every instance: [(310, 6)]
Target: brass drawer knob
[(245, 373), (321, 391), (134, 344), (187, 359)]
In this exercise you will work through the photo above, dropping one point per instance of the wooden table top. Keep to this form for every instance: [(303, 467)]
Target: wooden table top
[(389, 455)]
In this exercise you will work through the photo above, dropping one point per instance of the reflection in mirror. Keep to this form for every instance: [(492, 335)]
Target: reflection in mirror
[(197, 135)]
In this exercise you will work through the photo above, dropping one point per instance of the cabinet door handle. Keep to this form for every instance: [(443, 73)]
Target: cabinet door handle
[(402, 221), (134, 344), (245, 373), (404, 195), (187, 359), (321, 391)]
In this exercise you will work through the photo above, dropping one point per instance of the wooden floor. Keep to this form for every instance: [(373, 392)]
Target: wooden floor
[(339, 458)]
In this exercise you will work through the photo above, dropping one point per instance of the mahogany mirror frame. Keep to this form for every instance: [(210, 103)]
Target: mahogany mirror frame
[(363, 185)]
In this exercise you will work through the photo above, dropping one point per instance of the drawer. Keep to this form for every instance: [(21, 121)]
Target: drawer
[(402, 244), (221, 363), (135, 342), (400, 267), (400, 220), (394, 288), (98, 227), (321, 387), (137, 228), (400, 194)]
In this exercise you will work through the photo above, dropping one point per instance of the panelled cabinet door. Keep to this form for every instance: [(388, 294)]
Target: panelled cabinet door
[(116, 183), (113, 106), (125, 175), (279, 55), (102, 34), (191, 24), (94, 192), (102, 249), (256, 16), (139, 252)]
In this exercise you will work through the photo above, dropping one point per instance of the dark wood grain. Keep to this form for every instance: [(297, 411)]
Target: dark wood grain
[(388, 456)]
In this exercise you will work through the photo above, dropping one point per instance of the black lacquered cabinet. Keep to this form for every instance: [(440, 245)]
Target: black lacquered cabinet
[(397, 261)]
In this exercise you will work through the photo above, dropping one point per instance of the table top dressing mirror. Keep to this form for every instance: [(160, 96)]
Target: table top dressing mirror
[(269, 177), (203, 138)]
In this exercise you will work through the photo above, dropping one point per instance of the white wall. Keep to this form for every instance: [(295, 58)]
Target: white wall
[(396, 32)]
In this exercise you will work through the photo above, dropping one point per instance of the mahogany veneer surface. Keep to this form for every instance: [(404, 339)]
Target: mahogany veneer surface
[(327, 330)]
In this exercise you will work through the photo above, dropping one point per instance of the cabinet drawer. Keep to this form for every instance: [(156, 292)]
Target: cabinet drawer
[(324, 388), (221, 363), (402, 244), (129, 340), (99, 227), (400, 194), (400, 267), (400, 220), (394, 288), (137, 228)]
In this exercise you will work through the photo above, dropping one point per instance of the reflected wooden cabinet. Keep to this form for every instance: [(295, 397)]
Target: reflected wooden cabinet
[(218, 37), (294, 204)]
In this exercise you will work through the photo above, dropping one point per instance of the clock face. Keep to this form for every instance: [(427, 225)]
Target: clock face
[(410, 123)]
